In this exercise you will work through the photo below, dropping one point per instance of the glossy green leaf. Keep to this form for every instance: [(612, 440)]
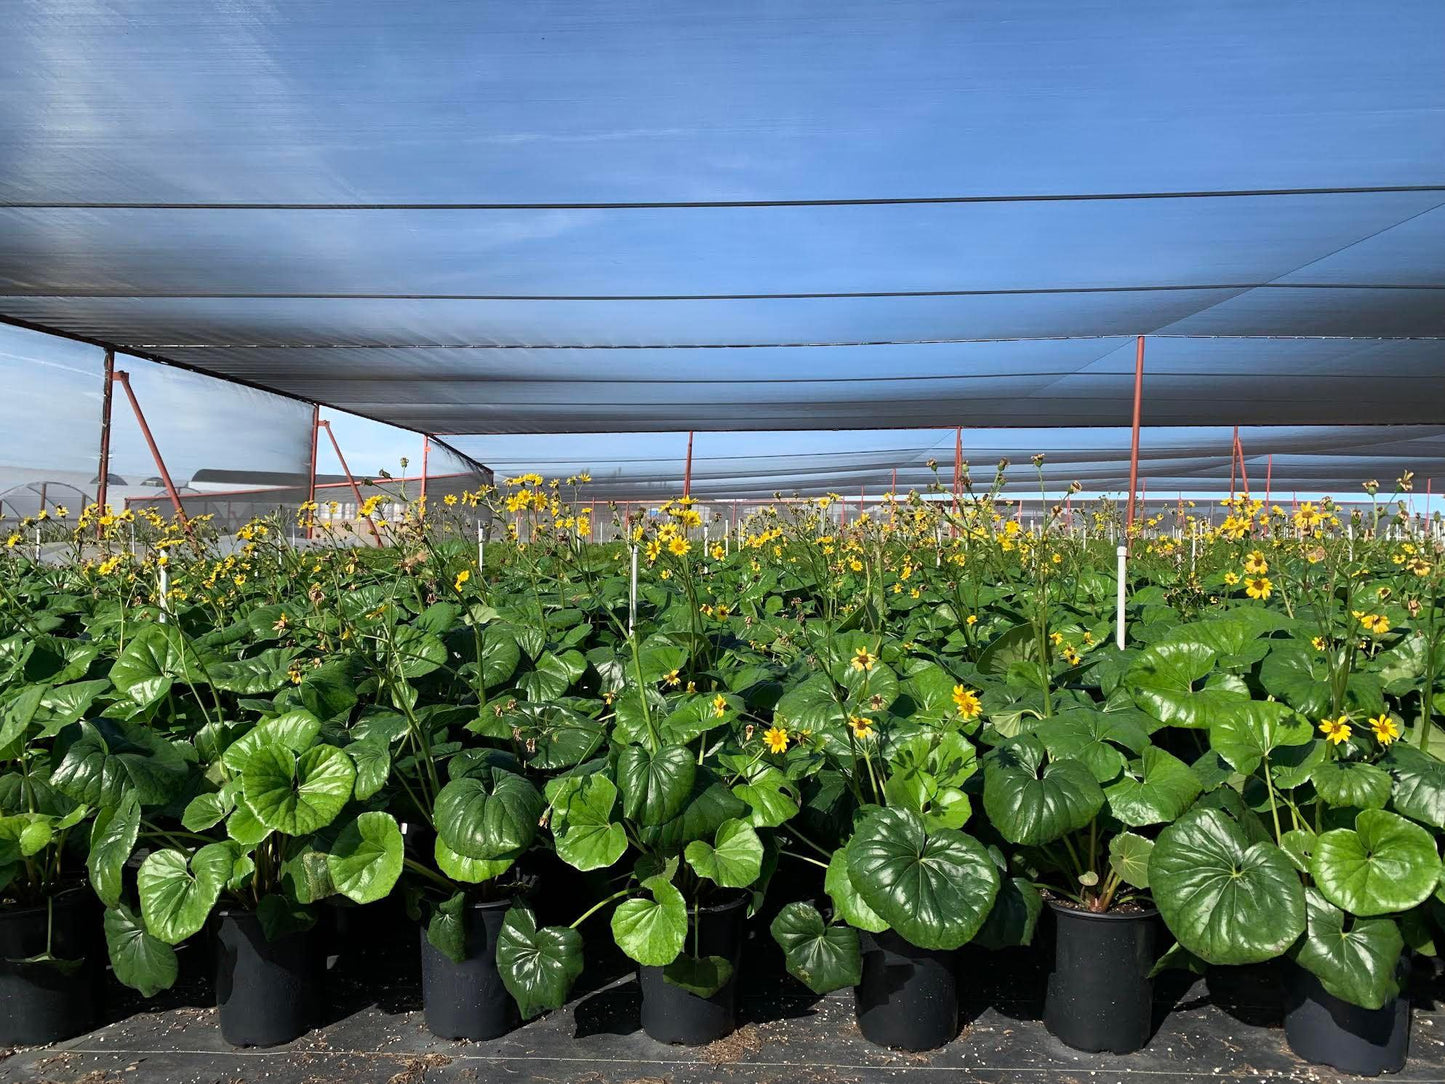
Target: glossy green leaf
[(1385, 864), (1227, 900), (656, 786), (491, 816), (112, 839), (1014, 916), (734, 858), (538, 966), (700, 976), (1419, 785), (1352, 783), (652, 931), (934, 889), (141, 961), (1129, 858), (366, 858), (1161, 791), (176, 896), (1244, 734), (1033, 803), (1358, 963), (296, 795), (1168, 681), (587, 837), (846, 901), (822, 957)]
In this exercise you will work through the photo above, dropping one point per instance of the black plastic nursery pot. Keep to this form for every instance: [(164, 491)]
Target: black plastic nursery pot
[(45, 1002), (908, 996), (671, 1014), (467, 1000), (268, 992), (1326, 1030), (1100, 996)]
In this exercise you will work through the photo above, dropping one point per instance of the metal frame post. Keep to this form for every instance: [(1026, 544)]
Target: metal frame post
[(425, 457), (1134, 440), (355, 489), (1268, 478), (124, 379), (687, 470), (1233, 462), (102, 493), (1239, 451), (311, 491)]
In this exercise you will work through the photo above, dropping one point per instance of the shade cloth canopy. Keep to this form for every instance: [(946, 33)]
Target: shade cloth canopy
[(587, 217)]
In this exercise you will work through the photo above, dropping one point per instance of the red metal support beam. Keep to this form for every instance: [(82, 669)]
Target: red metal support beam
[(1239, 451), (1134, 439), (311, 489), (1233, 462), (102, 492), (425, 458), (124, 380), (355, 489), (687, 470)]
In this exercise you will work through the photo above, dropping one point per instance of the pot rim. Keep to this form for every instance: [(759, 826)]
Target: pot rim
[(727, 905), (1103, 916), (69, 895)]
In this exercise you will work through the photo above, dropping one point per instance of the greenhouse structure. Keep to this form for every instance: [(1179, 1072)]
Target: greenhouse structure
[(881, 541)]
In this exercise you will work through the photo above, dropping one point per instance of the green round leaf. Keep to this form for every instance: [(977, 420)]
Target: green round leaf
[(1245, 733), (655, 786), (734, 859), (1384, 864), (586, 836), (1226, 900), (492, 815), (1352, 783), (176, 896), (652, 931), (1357, 964), (1129, 858), (366, 858), (296, 795), (1031, 802), (822, 957), (1164, 788), (1166, 680), (934, 889), (538, 966), (141, 961)]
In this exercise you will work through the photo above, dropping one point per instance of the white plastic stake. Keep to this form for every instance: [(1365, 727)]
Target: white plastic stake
[(632, 595), (481, 553), (1123, 554), (37, 545), (163, 578)]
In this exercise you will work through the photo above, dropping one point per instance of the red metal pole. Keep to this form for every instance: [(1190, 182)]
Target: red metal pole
[(425, 456), (355, 489), (687, 470), (1134, 441), (1239, 450), (1233, 461), (103, 490), (311, 492), (145, 429)]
